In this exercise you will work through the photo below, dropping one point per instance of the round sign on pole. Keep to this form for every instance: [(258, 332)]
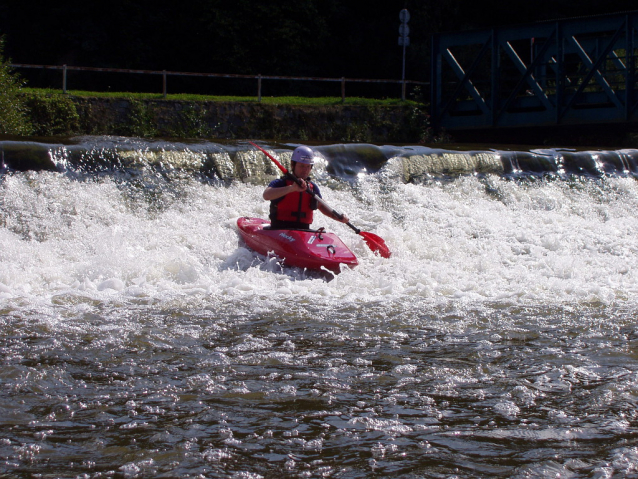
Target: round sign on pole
[(404, 30), (404, 16)]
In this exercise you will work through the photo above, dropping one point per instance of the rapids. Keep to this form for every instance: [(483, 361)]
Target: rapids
[(140, 338)]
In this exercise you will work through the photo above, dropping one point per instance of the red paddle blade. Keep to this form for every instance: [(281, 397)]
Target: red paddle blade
[(376, 244)]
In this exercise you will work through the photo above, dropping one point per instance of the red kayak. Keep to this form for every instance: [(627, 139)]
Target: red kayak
[(311, 249)]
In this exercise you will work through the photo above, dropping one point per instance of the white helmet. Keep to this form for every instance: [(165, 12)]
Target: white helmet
[(303, 154)]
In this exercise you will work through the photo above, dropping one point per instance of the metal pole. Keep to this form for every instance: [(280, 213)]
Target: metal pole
[(164, 83), (259, 88), (404, 41), (403, 74), (64, 79), (343, 90)]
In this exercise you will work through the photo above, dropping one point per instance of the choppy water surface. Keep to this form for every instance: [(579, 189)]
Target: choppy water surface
[(141, 339)]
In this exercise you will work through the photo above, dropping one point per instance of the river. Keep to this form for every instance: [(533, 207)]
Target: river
[(140, 338)]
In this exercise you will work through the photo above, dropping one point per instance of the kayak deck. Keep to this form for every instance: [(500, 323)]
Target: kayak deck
[(311, 249)]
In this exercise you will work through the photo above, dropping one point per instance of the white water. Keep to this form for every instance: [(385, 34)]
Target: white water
[(471, 241), (140, 338)]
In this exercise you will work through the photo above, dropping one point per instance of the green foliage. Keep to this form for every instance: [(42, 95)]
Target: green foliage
[(51, 113), (13, 117), (357, 133), (140, 121), (267, 100), (192, 123), (302, 119), (419, 118)]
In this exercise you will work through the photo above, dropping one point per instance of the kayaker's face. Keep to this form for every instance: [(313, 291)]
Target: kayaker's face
[(302, 170)]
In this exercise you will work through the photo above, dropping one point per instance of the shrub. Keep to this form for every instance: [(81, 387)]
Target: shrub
[(13, 113), (140, 121), (52, 113)]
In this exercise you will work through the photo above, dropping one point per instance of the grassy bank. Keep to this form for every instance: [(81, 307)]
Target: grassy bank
[(53, 113), (268, 100)]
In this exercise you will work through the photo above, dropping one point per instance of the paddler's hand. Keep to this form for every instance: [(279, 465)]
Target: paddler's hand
[(300, 186), (343, 219), (274, 193)]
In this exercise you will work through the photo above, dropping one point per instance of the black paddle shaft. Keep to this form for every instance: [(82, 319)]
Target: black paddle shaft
[(333, 212)]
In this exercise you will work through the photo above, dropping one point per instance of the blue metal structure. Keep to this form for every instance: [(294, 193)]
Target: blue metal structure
[(566, 72)]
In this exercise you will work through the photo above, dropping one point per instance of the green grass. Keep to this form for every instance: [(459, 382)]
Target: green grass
[(282, 100)]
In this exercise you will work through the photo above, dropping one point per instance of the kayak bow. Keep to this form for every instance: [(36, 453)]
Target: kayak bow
[(310, 249)]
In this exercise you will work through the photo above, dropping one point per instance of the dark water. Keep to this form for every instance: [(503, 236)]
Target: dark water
[(141, 339)]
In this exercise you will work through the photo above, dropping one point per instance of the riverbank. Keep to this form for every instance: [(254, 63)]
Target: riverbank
[(57, 114), (54, 115)]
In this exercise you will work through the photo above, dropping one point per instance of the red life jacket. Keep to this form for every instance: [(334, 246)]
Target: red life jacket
[(295, 207)]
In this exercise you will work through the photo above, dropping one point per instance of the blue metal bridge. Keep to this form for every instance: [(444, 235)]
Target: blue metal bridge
[(566, 72)]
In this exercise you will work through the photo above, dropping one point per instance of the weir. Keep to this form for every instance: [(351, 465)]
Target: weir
[(567, 72), (238, 161)]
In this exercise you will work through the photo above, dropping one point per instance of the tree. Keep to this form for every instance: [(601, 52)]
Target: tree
[(13, 117)]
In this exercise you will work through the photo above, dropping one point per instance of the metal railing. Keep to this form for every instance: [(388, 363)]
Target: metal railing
[(165, 74), (564, 72)]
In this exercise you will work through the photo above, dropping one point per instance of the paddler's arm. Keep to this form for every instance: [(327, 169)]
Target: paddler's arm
[(271, 193), (326, 210)]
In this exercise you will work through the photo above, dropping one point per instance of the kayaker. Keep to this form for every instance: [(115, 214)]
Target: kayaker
[(291, 206)]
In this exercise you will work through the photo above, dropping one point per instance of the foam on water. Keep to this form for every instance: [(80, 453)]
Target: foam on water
[(140, 337), (473, 240)]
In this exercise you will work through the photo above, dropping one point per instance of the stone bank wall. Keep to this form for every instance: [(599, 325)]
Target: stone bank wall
[(234, 120)]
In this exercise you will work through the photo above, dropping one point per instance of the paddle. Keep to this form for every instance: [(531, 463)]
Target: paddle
[(374, 242)]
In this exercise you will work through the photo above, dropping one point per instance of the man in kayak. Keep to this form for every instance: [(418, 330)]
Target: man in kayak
[(291, 206)]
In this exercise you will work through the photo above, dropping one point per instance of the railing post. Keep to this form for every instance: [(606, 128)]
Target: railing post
[(343, 90), (63, 78), (259, 88), (164, 83)]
